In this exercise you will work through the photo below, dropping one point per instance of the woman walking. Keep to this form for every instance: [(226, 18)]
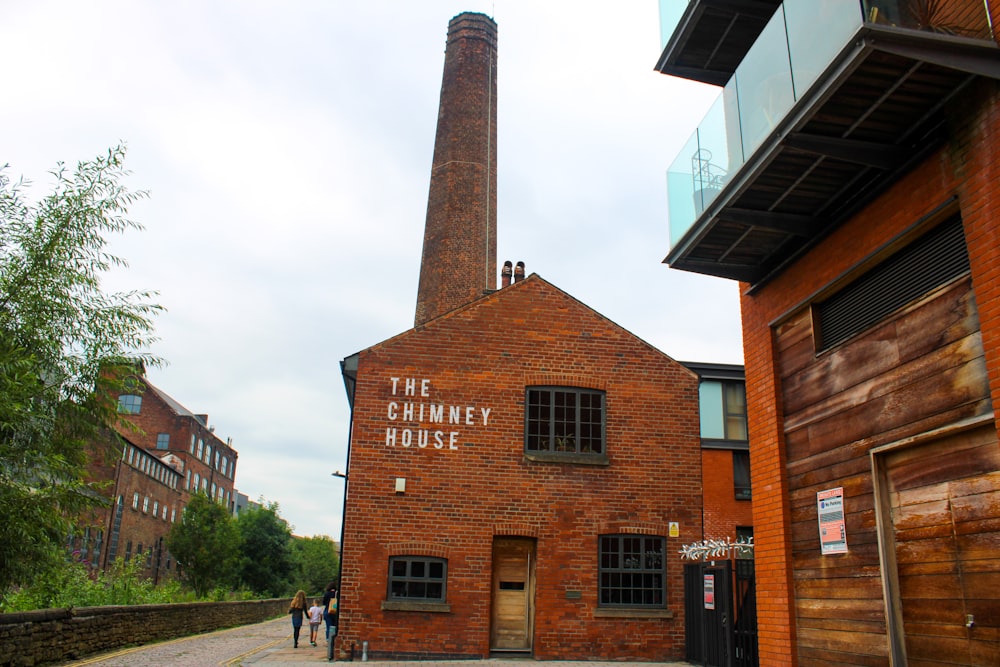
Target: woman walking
[(298, 609)]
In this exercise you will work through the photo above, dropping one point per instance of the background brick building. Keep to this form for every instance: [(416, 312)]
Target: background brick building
[(169, 453)]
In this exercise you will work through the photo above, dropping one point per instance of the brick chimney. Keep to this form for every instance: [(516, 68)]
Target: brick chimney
[(459, 264)]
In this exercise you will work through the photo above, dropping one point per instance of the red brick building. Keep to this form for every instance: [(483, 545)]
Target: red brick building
[(515, 484), (848, 179), (171, 454), (522, 471), (725, 452)]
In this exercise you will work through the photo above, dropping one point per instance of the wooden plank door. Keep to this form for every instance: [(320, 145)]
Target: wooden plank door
[(944, 501), (512, 622)]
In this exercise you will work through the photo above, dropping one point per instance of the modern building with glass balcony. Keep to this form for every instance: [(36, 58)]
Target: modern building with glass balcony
[(848, 177)]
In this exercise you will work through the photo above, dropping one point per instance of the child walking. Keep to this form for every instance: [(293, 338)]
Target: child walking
[(315, 618), (297, 610)]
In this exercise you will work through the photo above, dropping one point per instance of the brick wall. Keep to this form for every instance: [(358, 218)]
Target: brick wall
[(56, 635), (723, 513), (458, 499)]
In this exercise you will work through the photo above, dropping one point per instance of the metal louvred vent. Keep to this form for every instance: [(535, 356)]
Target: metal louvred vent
[(929, 262)]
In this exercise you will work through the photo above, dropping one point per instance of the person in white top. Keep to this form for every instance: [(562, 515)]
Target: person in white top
[(315, 618)]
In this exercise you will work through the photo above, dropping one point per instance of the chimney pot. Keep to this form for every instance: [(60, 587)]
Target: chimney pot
[(506, 273), (519, 272)]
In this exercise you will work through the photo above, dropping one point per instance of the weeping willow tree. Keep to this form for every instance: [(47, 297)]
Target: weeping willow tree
[(60, 335)]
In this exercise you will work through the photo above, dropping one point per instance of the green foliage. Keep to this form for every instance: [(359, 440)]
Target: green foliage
[(315, 562), (72, 585), (59, 333), (265, 565), (205, 543)]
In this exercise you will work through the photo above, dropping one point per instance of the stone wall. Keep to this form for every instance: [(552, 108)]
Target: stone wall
[(56, 635)]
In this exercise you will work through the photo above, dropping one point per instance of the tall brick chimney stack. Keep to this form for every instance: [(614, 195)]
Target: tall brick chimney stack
[(459, 261)]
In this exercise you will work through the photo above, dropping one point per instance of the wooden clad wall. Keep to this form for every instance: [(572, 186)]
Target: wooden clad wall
[(919, 370)]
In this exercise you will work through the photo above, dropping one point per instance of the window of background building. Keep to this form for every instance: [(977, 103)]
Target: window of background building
[(417, 578), (135, 501), (741, 475), (192, 443), (129, 404), (187, 481), (163, 441), (563, 420), (145, 505), (723, 410), (131, 455), (197, 481), (208, 454), (201, 448), (156, 507), (128, 551), (632, 571)]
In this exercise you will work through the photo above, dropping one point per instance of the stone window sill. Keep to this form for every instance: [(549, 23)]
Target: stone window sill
[(402, 605)]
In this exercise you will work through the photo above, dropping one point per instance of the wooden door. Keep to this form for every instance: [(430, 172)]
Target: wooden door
[(944, 502), (513, 594)]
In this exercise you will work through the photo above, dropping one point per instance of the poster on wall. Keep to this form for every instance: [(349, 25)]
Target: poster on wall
[(709, 591), (832, 531)]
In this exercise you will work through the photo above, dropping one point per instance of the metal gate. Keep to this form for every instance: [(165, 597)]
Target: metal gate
[(720, 607)]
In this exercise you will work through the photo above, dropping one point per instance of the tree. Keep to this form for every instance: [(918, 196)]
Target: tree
[(59, 333), (206, 544), (315, 560), (265, 550)]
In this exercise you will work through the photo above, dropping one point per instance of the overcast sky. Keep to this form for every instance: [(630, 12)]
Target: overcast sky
[(287, 148)]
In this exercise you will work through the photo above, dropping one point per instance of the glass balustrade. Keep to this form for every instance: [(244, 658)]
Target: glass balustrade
[(798, 44), (670, 15)]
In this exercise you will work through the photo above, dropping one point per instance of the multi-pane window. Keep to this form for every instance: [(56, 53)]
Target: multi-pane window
[(741, 475), (632, 571), (723, 409), (129, 404), (417, 578), (564, 420), (135, 501), (163, 441)]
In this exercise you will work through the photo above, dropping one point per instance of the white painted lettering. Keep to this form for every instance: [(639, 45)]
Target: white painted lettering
[(451, 440), (486, 415), (390, 437), (469, 411), (454, 414), (411, 386), (407, 412), (393, 407), (437, 414), (407, 437), (422, 436), (438, 442), (421, 417), (395, 381), (425, 388)]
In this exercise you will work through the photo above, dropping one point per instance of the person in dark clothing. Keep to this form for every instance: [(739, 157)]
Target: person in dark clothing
[(298, 609), (330, 610)]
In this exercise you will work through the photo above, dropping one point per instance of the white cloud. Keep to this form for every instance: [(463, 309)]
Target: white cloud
[(287, 149)]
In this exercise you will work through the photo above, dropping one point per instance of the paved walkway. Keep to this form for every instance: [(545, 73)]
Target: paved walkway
[(270, 644)]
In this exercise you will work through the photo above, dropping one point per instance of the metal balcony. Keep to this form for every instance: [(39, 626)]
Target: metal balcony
[(833, 102), (707, 39)]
